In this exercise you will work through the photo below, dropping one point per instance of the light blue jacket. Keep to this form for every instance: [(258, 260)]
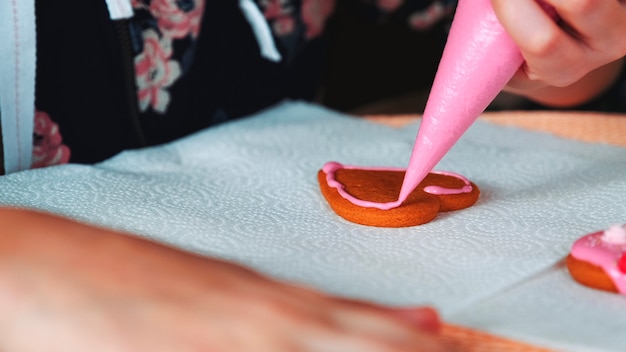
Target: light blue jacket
[(18, 55), (17, 83)]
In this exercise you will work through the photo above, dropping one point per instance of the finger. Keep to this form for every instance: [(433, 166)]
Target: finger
[(527, 23), (545, 46), (347, 339), (425, 318), (520, 82), (413, 343), (595, 22), (387, 325)]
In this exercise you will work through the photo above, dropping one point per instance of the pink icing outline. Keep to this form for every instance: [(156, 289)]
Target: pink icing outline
[(331, 167), (593, 249)]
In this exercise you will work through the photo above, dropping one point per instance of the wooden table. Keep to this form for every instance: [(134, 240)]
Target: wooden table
[(582, 126)]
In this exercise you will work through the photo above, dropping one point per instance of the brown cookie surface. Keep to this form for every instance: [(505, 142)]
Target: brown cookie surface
[(589, 275), (383, 186), (598, 260)]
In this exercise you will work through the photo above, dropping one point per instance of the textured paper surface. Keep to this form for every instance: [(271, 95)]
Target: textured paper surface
[(247, 191)]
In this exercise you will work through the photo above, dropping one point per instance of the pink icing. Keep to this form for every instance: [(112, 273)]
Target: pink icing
[(604, 249), (331, 167)]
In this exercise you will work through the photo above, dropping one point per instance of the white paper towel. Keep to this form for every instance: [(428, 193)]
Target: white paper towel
[(247, 191)]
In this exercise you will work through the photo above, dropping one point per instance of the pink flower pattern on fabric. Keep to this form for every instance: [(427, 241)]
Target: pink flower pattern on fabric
[(280, 14), (155, 72), (314, 15), (173, 21), (389, 5), (48, 147)]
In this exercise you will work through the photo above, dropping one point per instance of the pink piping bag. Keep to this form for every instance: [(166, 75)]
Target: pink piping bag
[(478, 60)]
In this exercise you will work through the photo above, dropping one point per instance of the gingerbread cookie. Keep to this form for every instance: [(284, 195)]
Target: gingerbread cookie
[(344, 186), (598, 260)]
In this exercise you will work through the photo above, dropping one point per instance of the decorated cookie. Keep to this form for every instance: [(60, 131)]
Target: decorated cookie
[(348, 189), (598, 260)]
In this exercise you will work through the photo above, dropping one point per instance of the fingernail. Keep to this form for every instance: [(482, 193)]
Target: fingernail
[(425, 318)]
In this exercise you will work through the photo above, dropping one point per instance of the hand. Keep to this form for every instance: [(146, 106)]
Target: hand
[(569, 61), (66, 286)]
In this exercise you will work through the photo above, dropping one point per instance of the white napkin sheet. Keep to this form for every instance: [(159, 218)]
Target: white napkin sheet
[(247, 191)]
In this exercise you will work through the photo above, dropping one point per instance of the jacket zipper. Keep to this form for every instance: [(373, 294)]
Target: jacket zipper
[(128, 67)]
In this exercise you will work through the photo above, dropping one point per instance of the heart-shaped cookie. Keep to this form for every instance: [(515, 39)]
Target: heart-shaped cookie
[(438, 192)]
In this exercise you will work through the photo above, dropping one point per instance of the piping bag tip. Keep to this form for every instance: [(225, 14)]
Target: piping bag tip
[(477, 62)]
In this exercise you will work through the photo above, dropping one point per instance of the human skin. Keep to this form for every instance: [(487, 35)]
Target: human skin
[(569, 61), (68, 286)]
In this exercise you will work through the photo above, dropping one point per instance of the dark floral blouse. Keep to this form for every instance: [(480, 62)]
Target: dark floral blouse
[(165, 35), (178, 66)]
